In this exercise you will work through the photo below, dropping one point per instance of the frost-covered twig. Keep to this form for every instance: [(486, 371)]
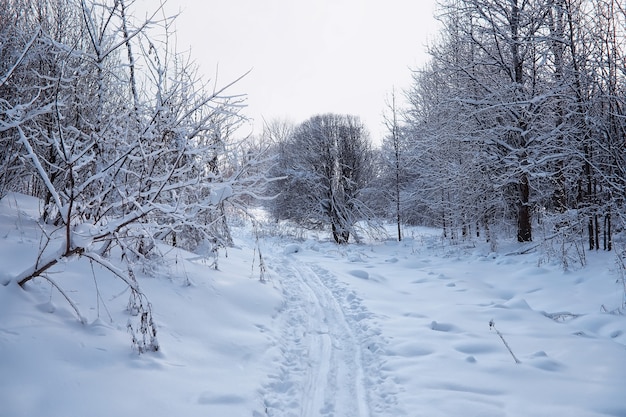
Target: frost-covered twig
[(492, 325), (81, 318), (262, 267), (621, 265), (98, 295), (32, 155), (113, 269), (19, 60), (46, 263)]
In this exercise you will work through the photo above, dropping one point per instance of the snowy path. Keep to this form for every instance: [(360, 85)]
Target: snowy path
[(389, 331), (328, 346)]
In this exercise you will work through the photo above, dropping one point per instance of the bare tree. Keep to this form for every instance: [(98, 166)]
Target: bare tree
[(394, 142), (327, 162)]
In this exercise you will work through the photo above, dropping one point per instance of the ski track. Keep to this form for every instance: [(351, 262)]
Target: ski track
[(329, 350)]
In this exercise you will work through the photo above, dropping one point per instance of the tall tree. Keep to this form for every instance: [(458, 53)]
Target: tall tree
[(393, 142)]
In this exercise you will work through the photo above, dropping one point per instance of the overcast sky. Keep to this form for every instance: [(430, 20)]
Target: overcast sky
[(308, 56)]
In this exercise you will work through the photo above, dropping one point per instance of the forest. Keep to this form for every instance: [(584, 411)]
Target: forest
[(514, 129), (519, 120)]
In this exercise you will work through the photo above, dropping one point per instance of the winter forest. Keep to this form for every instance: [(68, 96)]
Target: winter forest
[(515, 131), (515, 127)]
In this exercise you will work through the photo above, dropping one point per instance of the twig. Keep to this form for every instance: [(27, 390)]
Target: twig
[(80, 317), (492, 325)]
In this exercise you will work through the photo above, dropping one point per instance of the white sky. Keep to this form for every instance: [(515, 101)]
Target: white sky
[(308, 57)]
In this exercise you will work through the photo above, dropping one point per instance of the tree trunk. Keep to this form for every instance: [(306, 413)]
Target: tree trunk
[(592, 242), (597, 223), (524, 227), (340, 236), (608, 239)]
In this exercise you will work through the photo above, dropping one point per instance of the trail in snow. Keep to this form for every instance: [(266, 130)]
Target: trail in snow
[(329, 344)]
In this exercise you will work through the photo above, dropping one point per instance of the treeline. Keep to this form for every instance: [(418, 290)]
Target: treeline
[(518, 120)]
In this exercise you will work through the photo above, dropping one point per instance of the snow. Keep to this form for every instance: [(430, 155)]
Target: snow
[(83, 234), (377, 329), (220, 193)]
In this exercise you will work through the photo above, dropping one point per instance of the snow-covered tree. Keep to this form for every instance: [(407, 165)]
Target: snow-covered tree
[(116, 132), (604, 151), (519, 112), (327, 164), (393, 163)]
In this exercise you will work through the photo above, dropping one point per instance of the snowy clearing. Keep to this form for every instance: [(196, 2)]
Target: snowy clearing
[(384, 329)]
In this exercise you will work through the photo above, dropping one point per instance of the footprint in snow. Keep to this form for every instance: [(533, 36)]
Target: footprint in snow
[(541, 361), (211, 398), (443, 327), (360, 274), (292, 248)]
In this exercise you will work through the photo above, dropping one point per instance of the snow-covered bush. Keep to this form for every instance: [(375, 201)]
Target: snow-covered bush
[(116, 133), (325, 164)]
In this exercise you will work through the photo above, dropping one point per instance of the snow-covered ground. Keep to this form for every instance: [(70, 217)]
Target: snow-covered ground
[(379, 329)]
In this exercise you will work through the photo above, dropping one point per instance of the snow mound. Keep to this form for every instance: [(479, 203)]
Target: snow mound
[(292, 248)]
